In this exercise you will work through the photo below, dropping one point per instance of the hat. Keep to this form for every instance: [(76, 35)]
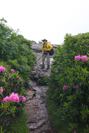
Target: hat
[(44, 40)]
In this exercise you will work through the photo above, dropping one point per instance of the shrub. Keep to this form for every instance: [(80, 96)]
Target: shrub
[(12, 96), (43, 81), (69, 80), (16, 51)]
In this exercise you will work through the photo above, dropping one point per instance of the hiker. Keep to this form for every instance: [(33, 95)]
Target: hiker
[(46, 47)]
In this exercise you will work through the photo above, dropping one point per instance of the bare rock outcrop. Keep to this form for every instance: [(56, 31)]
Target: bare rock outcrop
[(36, 108)]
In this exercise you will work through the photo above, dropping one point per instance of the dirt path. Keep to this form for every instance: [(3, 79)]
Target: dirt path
[(38, 119)]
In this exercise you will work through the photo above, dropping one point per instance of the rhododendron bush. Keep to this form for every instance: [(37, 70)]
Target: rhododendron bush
[(12, 96), (69, 83), (16, 50)]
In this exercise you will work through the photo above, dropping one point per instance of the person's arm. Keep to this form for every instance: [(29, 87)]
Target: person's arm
[(49, 47), (42, 49)]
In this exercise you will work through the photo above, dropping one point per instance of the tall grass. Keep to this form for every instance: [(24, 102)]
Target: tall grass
[(19, 126)]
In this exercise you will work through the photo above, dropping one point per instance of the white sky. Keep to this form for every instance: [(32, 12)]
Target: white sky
[(49, 19)]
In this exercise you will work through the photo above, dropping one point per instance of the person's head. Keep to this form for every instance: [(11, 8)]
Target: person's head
[(44, 40)]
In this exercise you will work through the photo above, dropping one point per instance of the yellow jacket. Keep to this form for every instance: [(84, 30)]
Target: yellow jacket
[(46, 47)]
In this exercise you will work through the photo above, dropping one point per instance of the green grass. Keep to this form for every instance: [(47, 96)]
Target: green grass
[(19, 126), (55, 118), (58, 124)]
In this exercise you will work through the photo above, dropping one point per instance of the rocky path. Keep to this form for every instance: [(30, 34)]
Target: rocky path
[(37, 72), (36, 107)]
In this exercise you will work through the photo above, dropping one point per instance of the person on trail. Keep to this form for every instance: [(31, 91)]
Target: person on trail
[(46, 47)]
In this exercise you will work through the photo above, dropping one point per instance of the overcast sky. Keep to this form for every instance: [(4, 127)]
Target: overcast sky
[(49, 19)]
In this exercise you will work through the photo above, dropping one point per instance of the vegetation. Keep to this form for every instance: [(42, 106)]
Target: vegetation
[(40, 42), (16, 60), (16, 51), (69, 84), (18, 126), (68, 93), (43, 81)]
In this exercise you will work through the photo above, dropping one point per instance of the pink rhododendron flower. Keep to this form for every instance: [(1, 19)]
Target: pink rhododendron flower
[(77, 57), (1, 89), (0, 97), (65, 87), (84, 58), (17, 77), (74, 131), (12, 70), (76, 86), (53, 69), (23, 99), (6, 99), (2, 69), (14, 97)]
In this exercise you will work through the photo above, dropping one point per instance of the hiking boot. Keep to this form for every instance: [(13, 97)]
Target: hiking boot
[(48, 67), (42, 67)]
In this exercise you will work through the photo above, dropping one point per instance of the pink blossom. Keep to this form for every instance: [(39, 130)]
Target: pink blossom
[(0, 97), (14, 97), (53, 69), (12, 70), (23, 99), (65, 87), (2, 69), (84, 58), (77, 57), (6, 99), (1, 89), (76, 86), (17, 77), (74, 131)]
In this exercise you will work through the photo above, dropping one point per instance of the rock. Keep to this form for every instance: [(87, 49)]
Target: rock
[(37, 72), (44, 74), (36, 108), (36, 76), (40, 73), (30, 94), (33, 72), (37, 49)]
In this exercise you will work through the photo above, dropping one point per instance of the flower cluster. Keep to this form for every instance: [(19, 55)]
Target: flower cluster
[(77, 57), (83, 58), (53, 69), (76, 86), (14, 98), (74, 131), (12, 70), (2, 69), (65, 87), (17, 77), (1, 89), (23, 99), (0, 98)]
